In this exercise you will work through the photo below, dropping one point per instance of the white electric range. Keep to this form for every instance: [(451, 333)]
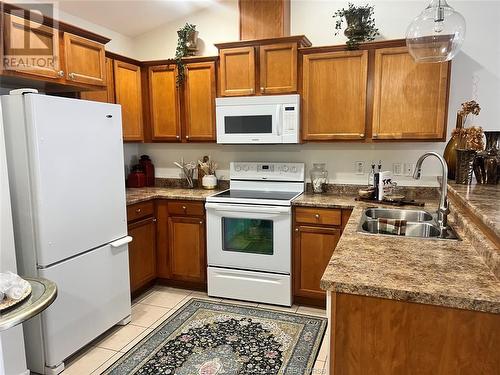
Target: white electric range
[(249, 233)]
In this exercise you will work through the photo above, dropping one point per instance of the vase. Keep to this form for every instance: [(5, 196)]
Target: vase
[(487, 162), (319, 178), (356, 26), (192, 42), (209, 182), (464, 167), (449, 152)]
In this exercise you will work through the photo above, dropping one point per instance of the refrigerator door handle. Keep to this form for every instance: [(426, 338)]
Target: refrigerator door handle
[(121, 242)]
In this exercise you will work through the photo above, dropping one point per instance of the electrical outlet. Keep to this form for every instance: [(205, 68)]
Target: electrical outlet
[(409, 168), (359, 167), (397, 169)]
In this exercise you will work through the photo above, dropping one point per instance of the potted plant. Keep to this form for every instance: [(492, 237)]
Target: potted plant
[(360, 24), (187, 38)]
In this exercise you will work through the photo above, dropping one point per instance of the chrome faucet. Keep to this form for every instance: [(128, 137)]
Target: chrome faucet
[(443, 210)]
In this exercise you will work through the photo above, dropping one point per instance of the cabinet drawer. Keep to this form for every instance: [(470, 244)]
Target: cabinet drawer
[(186, 208), (318, 216), (140, 210)]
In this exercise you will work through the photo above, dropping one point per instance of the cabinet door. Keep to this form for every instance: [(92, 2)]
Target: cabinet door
[(84, 60), (334, 95), (142, 253), (278, 68), (199, 98), (264, 19), (237, 71), (410, 99), (24, 39), (128, 94), (313, 248), (108, 95), (164, 103), (187, 248)]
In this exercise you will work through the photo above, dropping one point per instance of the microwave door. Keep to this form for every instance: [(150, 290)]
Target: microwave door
[(248, 124)]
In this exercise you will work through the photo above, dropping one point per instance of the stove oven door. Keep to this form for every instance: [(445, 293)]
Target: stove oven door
[(249, 237)]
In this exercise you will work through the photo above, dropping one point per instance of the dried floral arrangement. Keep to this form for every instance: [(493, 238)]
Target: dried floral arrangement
[(470, 138), (207, 165)]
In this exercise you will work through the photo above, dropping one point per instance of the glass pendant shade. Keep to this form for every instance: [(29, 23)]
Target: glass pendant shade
[(437, 34)]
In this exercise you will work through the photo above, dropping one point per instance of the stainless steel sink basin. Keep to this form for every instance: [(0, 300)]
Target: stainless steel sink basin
[(398, 214), (419, 223)]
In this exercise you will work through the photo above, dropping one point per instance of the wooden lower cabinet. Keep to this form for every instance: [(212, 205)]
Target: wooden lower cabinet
[(187, 249), (142, 252), (371, 335), (316, 234), (181, 243), (313, 248)]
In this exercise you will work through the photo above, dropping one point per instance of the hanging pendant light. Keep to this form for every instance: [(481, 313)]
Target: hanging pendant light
[(437, 34)]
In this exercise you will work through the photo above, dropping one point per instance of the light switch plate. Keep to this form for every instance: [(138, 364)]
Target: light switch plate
[(409, 168), (359, 167), (397, 169)]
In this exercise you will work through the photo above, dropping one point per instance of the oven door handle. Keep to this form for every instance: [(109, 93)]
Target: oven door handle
[(249, 209)]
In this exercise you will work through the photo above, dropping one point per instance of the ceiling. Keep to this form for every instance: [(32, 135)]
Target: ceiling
[(132, 17)]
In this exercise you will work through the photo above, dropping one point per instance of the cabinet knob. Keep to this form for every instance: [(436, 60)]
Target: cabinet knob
[(60, 73), (316, 216), (184, 208), (154, 220), (252, 90), (296, 229), (71, 75), (375, 135), (178, 136), (262, 89), (138, 210), (362, 135), (187, 136), (201, 221)]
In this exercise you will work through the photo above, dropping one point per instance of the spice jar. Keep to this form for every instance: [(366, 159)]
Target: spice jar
[(319, 178)]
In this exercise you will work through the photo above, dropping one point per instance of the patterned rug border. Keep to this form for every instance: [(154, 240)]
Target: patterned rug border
[(317, 341)]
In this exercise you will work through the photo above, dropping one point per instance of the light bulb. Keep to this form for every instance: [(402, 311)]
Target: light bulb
[(437, 34)]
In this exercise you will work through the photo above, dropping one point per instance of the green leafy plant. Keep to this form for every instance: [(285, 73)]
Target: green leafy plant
[(360, 24), (182, 49)]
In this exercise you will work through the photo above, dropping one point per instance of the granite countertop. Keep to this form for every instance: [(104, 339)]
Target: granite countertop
[(482, 200), (136, 195), (437, 272)]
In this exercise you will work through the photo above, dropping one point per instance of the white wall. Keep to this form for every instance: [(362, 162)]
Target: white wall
[(218, 23), (475, 75)]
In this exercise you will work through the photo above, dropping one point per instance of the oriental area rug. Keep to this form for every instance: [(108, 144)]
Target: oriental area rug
[(212, 338)]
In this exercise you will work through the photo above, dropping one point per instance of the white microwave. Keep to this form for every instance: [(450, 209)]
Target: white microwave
[(258, 119)]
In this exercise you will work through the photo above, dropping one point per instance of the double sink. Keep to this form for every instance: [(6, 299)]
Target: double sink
[(419, 223)]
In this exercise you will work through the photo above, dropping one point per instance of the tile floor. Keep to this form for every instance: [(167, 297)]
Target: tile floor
[(148, 312)]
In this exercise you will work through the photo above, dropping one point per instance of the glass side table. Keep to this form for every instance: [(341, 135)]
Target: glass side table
[(43, 293)]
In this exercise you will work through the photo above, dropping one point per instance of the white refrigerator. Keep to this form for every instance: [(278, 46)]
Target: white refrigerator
[(65, 164)]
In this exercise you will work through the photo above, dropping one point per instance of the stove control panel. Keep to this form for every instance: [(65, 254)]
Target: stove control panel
[(267, 171)]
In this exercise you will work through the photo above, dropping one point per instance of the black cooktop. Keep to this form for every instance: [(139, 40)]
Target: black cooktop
[(257, 194)]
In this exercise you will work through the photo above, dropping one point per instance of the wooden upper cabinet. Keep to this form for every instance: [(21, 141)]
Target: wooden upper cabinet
[(264, 19), (278, 68), (128, 94), (164, 103), (84, 60), (334, 86), (237, 71), (410, 99), (199, 101), (107, 95), (24, 38)]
